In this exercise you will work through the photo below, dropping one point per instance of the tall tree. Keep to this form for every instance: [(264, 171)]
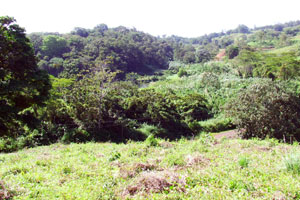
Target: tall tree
[(22, 84)]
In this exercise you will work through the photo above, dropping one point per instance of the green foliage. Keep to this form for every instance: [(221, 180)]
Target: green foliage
[(148, 130), (115, 156), (232, 51), (284, 67), (80, 31), (243, 162), (203, 55), (175, 159), (23, 87), (106, 170), (118, 48), (247, 61), (151, 141), (182, 72), (54, 46), (218, 124), (210, 80), (266, 109), (95, 105), (292, 163), (242, 29)]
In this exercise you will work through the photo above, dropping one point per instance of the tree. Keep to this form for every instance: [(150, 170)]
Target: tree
[(80, 31), (22, 84), (278, 27), (242, 29), (54, 46), (203, 55)]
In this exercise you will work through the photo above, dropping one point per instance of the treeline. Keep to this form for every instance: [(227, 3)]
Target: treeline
[(129, 50), (122, 49)]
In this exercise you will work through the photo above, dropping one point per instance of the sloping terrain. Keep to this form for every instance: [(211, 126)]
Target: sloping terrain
[(203, 168)]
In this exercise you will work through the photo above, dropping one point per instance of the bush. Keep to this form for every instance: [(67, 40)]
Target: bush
[(148, 130), (266, 109), (182, 73), (232, 51), (151, 141), (218, 124)]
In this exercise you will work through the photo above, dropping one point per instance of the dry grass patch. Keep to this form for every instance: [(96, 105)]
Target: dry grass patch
[(134, 170), (156, 182), (166, 144), (192, 160), (4, 192)]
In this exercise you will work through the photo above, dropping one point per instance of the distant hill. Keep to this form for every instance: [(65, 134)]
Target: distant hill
[(129, 50)]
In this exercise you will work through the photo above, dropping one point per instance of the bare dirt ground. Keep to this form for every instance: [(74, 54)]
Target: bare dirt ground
[(231, 134)]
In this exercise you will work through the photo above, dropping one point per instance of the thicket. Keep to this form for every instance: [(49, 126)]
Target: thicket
[(97, 107), (266, 109)]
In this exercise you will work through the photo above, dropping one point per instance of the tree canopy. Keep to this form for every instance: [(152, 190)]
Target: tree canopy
[(22, 84)]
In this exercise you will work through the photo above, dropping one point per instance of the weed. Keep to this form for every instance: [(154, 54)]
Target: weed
[(244, 162), (176, 170), (175, 159), (114, 156), (67, 170), (292, 163), (151, 141), (239, 185)]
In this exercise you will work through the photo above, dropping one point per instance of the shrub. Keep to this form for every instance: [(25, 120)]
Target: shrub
[(218, 124), (266, 109), (232, 51), (243, 162), (182, 72), (148, 130), (151, 141)]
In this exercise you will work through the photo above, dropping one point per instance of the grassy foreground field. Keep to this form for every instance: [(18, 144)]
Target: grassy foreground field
[(203, 168)]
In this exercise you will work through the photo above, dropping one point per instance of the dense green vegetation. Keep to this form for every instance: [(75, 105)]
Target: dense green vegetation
[(119, 84), (159, 99), (23, 87)]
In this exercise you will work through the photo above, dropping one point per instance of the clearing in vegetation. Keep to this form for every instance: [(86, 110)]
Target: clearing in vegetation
[(203, 168)]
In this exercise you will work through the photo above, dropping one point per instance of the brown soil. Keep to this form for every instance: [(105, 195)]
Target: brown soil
[(228, 134), (221, 55)]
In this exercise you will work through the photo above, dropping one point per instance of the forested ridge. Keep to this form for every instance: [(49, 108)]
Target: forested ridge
[(120, 84)]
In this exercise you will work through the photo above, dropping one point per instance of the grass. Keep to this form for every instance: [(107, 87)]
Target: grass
[(284, 49), (292, 163), (187, 169)]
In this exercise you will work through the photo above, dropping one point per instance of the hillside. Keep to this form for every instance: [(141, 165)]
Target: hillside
[(120, 84), (202, 168), (130, 50), (115, 113)]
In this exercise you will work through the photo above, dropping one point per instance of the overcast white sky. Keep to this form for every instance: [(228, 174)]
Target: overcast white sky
[(188, 18)]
